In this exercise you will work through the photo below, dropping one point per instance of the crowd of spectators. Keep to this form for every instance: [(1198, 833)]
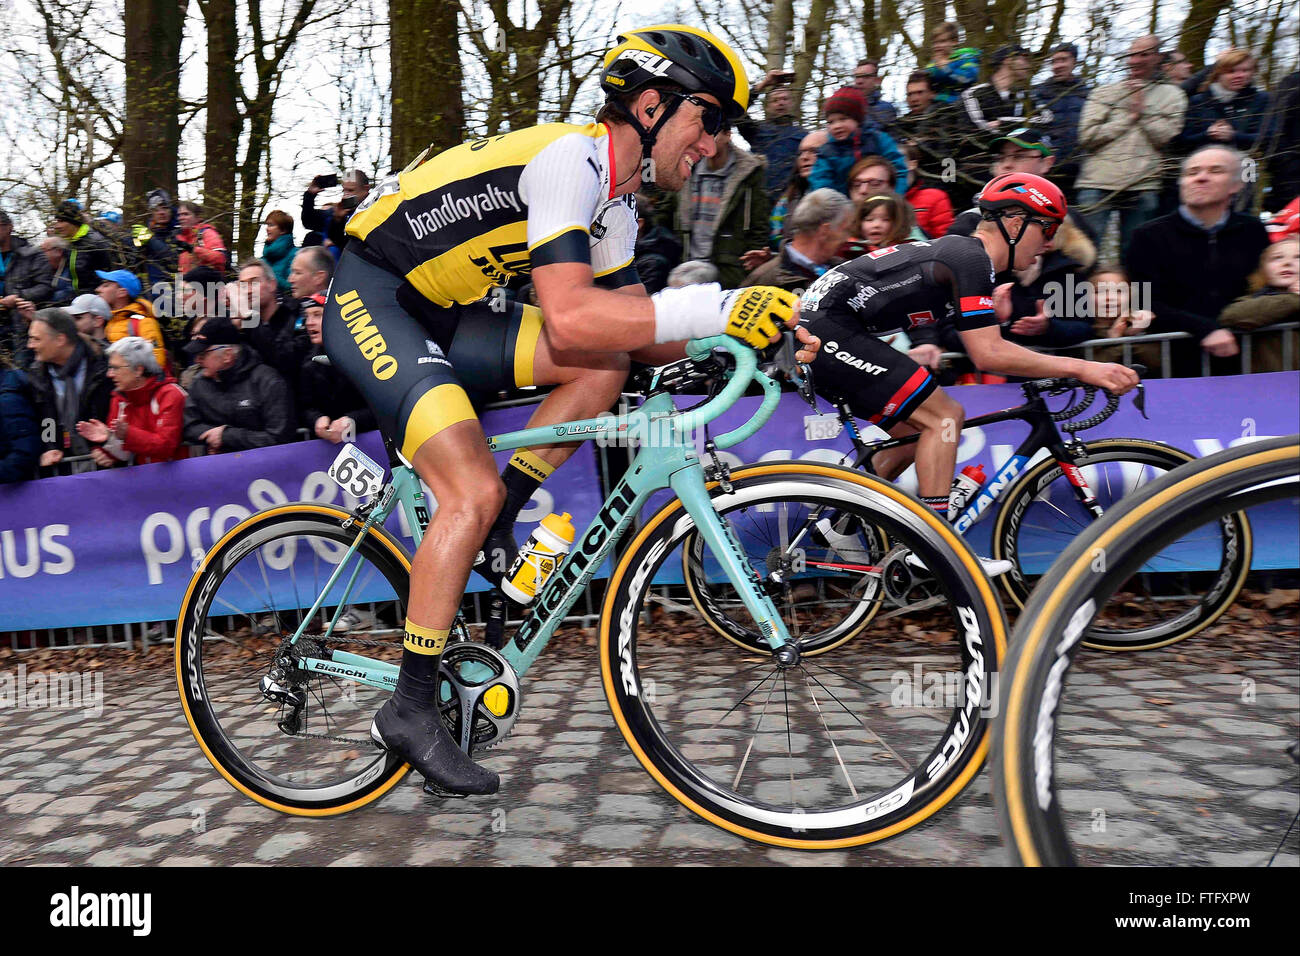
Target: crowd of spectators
[(149, 344), (1169, 158), (131, 347)]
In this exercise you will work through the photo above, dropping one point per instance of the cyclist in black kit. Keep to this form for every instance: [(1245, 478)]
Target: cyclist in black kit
[(915, 286)]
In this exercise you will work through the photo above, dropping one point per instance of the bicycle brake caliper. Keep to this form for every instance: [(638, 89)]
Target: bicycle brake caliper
[(716, 469)]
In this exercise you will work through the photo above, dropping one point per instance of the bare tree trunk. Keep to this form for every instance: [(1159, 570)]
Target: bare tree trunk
[(890, 24), (973, 16), (820, 13), (427, 78), (152, 122), (270, 56), (1198, 26), (221, 136), (933, 13), (872, 22), (1053, 30), (1006, 19), (1269, 62), (516, 61), (780, 23)]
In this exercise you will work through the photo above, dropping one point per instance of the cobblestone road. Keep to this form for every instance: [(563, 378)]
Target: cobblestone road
[(1160, 746)]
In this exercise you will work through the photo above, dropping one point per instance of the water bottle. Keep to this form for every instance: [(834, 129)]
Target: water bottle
[(964, 486), (538, 558)]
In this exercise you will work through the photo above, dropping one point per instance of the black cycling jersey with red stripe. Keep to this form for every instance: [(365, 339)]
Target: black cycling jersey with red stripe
[(914, 285)]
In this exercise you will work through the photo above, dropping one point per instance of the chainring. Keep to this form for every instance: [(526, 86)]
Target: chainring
[(904, 583), (475, 680)]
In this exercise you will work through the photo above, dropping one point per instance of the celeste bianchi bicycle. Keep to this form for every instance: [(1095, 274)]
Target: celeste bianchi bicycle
[(770, 745)]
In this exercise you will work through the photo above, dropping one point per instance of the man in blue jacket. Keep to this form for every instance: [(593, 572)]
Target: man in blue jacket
[(1062, 97), (19, 443), (853, 136), (777, 137)]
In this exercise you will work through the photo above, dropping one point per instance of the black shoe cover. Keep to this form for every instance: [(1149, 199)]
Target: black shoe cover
[(418, 736)]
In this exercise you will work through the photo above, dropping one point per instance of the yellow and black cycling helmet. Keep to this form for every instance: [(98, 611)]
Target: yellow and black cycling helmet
[(669, 55)]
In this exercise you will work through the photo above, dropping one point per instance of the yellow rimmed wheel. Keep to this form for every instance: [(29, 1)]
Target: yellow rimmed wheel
[(293, 740), (806, 752), (1035, 780)]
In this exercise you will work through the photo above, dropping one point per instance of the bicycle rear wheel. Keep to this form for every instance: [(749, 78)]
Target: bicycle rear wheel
[(838, 750), (1177, 592), (1048, 794), (305, 749)]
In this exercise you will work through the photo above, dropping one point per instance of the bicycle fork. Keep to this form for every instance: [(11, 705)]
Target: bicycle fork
[(688, 484)]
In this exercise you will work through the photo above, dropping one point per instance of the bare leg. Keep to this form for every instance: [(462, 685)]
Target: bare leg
[(460, 471), (939, 419), (469, 497)]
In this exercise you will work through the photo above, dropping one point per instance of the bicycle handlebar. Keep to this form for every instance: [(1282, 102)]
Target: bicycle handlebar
[(1057, 385), (745, 372)]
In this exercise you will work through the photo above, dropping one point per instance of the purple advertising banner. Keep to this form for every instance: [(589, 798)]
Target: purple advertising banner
[(120, 546), (1200, 416)]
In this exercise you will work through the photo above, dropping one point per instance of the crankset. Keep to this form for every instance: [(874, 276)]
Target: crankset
[(908, 583), (478, 695)]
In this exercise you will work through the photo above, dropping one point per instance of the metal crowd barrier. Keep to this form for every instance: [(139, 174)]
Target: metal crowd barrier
[(143, 635), (1088, 349), (610, 462)]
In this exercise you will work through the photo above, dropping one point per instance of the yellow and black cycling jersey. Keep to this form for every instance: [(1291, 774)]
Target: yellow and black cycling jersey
[(478, 214)]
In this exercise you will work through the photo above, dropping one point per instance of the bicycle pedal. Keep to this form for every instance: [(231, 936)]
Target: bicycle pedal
[(434, 790)]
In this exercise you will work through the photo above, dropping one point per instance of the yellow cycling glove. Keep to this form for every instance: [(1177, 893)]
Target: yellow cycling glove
[(756, 314)]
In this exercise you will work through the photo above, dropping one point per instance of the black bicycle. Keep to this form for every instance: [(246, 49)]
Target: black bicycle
[(832, 575)]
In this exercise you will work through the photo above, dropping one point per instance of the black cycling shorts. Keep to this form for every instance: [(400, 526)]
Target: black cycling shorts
[(412, 360), (878, 383)]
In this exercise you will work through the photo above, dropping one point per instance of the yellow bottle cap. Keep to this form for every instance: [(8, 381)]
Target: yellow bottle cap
[(559, 525)]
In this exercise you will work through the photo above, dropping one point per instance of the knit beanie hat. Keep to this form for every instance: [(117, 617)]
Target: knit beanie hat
[(847, 101), (68, 211)]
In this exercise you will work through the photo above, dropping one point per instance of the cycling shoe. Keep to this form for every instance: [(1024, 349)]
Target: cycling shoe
[(419, 738)]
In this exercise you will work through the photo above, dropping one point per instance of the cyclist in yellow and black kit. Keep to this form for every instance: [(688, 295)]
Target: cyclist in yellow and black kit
[(412, 319)]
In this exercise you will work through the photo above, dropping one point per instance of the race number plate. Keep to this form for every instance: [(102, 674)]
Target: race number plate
[(821, 427), (355, 473)]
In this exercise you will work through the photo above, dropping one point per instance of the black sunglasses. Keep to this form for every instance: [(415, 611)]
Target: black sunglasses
[(712, 117), (1049, 226)]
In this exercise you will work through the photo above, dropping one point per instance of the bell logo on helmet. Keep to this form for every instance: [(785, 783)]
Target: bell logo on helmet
[(650, 62)]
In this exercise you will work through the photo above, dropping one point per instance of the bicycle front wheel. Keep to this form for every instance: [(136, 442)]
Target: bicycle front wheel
[(1177, 592), (304, 746), (827, 589), (810, 753), (1052, 761)]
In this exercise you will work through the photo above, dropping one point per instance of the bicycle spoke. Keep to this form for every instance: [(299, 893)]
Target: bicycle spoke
[(754, 736), (812, 695), (718, 723), (861, 723), (789, 742)]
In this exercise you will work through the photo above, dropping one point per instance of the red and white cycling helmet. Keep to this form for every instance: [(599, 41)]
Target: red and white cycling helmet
[(1038, 199)]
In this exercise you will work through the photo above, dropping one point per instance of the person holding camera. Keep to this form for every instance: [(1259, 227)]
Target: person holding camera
[(330, 221)]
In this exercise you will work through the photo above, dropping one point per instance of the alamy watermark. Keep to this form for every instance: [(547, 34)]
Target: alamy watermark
[(1083, 299), (52, 690), (191, 300), (943, 690)]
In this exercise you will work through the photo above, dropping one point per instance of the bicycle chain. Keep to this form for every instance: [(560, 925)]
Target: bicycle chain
[(348, 740)]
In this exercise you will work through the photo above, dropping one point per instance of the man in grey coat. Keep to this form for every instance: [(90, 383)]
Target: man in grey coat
[(1123, 133)]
